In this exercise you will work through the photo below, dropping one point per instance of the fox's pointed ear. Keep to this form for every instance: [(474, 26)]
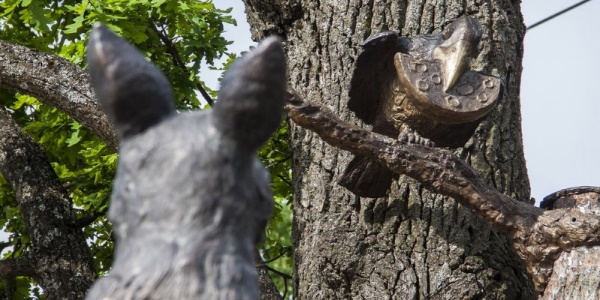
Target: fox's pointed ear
[(132, 92), (252, 95)]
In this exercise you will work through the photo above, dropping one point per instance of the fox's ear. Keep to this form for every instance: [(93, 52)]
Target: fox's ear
[(252, 95), (132, 92)]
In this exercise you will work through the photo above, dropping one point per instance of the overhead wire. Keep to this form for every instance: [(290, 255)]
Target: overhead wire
[(557, 14)]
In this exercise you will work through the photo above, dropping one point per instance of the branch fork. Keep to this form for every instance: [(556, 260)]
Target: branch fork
[(538, 236)]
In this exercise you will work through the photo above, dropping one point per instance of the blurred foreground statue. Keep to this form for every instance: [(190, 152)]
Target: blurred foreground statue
[(419, 89), (190, 199)]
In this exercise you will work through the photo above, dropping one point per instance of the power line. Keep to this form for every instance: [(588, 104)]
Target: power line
[(557, 14)]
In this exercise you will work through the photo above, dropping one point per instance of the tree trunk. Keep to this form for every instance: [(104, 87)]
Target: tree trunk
[(412, 244), (59, 258)]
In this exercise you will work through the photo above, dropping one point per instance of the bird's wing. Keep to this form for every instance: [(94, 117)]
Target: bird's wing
[(374, 74)]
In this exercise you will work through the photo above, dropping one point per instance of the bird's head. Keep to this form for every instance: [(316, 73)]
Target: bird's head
[(439, 80), (457, 45)]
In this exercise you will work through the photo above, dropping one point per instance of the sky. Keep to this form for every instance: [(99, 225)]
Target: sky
[(560, 102)]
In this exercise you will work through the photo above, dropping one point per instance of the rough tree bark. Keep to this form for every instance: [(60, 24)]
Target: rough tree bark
[(59, 259), (575, 273), (56, 82), (414, 243)]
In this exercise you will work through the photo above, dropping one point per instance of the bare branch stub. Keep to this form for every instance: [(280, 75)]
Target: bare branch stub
[(21, 266), (190, 200), (571, 225), (538, 236), (418, 89)]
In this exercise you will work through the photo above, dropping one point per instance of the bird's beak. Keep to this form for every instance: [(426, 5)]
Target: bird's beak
[(455, 61)]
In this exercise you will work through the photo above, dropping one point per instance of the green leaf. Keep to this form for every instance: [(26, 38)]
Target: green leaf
[(8, 7), (74, 139), (229, 20), (77, 23), (24, 100), (157, 3), (39, 14), (22, 286)]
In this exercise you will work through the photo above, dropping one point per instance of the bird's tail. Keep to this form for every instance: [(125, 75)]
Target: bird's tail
[(365, 177)]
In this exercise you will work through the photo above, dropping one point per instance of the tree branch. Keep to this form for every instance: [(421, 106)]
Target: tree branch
[(56, 82), (278, 273), (177, 61), (12, 267), (90, 218), (271, 17), (4, 245), (537, 235), (58, 247), (268, 290)]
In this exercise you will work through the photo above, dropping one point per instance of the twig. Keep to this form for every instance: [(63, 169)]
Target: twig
[(283, 275), (89, 219), (4, 245), (278, 162), (177, 61), (278, 256), (285, 280), (285, 180)]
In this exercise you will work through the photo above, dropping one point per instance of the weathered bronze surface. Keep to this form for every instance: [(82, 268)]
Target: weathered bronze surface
[(191, 199), (471, 97), (418, 89), (588, 196)]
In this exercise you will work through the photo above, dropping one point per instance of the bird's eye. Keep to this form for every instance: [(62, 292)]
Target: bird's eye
[(448, 33)]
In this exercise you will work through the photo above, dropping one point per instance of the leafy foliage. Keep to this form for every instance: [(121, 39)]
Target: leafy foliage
[(175, 35), (277, 248)]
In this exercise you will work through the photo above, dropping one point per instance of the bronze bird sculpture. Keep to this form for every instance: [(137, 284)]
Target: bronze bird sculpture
[(419, 90)]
